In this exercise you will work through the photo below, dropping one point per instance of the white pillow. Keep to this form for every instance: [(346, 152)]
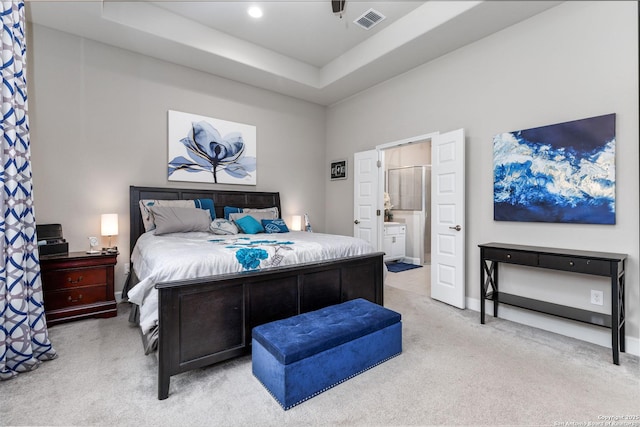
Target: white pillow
[(223, 226)]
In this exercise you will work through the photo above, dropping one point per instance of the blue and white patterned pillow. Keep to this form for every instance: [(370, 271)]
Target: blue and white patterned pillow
[(223, 226), (275, 226)]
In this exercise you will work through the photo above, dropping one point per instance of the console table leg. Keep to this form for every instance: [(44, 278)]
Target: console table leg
[(488, 278), (496, 293), (483, 291), (615, 317), (621, 313)]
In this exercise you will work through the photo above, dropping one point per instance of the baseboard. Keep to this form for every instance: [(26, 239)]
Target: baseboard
[(581, 331)]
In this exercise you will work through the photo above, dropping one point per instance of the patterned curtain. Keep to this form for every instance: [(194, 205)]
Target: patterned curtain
[(24, 340)]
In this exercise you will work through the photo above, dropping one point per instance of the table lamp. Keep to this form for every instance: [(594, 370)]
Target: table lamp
[(109, 227), (296, 222)]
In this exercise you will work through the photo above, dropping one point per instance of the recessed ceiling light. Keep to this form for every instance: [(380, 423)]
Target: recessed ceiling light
[(255, 12)]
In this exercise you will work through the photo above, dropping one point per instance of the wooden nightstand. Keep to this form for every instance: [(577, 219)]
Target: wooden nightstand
[(78, 285)]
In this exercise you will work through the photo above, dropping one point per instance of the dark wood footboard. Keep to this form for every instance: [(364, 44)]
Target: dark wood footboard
[(209, 320)]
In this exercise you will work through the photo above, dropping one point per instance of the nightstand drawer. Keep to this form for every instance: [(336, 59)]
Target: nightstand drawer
[(75, 297), (60, 279)]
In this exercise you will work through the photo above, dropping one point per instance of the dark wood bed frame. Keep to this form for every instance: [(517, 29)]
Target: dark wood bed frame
[(208, 320)]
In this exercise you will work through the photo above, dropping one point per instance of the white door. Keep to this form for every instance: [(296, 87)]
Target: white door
[(366, 212), (447, 218)]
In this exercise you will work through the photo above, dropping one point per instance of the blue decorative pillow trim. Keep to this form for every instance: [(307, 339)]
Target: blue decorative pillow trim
[(206, 204), (275, 226), (229, 210)]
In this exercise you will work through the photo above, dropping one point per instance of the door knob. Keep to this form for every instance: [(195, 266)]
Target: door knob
[(356, 222), (457, 228)]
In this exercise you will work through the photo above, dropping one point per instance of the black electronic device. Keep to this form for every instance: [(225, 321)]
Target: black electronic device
[(50, 240)]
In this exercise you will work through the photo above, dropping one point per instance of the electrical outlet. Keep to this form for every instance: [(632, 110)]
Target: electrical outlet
[(126, 269), (597, 297)]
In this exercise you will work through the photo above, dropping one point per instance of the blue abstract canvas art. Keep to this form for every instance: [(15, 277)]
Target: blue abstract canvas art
[(203, 149), (558, 173)]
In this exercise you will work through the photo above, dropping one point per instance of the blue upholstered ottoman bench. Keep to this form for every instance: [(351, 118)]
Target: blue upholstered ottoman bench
[(304, 355)]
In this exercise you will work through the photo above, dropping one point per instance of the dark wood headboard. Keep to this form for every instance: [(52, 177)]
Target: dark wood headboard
[(221, 198)]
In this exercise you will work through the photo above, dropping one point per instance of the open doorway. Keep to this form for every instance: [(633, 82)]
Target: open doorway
[(408, 185), (447, 222)]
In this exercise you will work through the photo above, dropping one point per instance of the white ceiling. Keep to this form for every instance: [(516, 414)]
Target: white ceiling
[(298, 48)]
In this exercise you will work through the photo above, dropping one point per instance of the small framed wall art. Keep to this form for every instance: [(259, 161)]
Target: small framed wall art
[(338, 170)]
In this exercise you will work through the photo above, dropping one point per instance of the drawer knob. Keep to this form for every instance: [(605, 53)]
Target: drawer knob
[(74, 300), (571, 263), (509, 256), (74, 281)]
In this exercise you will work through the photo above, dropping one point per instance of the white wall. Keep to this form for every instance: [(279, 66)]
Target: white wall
[(98, 117), (574, 61)]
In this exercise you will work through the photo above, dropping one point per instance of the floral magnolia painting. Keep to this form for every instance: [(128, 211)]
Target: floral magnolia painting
[(203, 149), (559, 173)]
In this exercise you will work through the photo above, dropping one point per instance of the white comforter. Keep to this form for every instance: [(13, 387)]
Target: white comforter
[(190, 255)]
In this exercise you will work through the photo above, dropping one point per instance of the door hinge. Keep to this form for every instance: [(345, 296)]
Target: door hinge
[(377, 212), (379, 163)]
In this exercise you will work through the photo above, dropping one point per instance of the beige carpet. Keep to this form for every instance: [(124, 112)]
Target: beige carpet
[(453, 371)]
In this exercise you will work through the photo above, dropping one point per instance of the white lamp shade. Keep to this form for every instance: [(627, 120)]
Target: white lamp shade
[(109, 225), (296, 222)]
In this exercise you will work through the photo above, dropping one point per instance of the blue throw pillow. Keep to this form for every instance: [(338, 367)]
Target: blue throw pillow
[(206, 204), (229, 210), (274, 226), (249, 225)]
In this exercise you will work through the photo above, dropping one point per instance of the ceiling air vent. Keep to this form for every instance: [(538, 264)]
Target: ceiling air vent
[(369, 19)]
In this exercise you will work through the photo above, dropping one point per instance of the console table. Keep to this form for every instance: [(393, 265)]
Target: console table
[(586, 262)]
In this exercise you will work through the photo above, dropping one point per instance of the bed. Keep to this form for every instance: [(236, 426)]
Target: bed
[(205, 317)]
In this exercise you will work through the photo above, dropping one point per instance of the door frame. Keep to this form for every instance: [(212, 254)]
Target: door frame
[(393, 144), (420, 138)]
